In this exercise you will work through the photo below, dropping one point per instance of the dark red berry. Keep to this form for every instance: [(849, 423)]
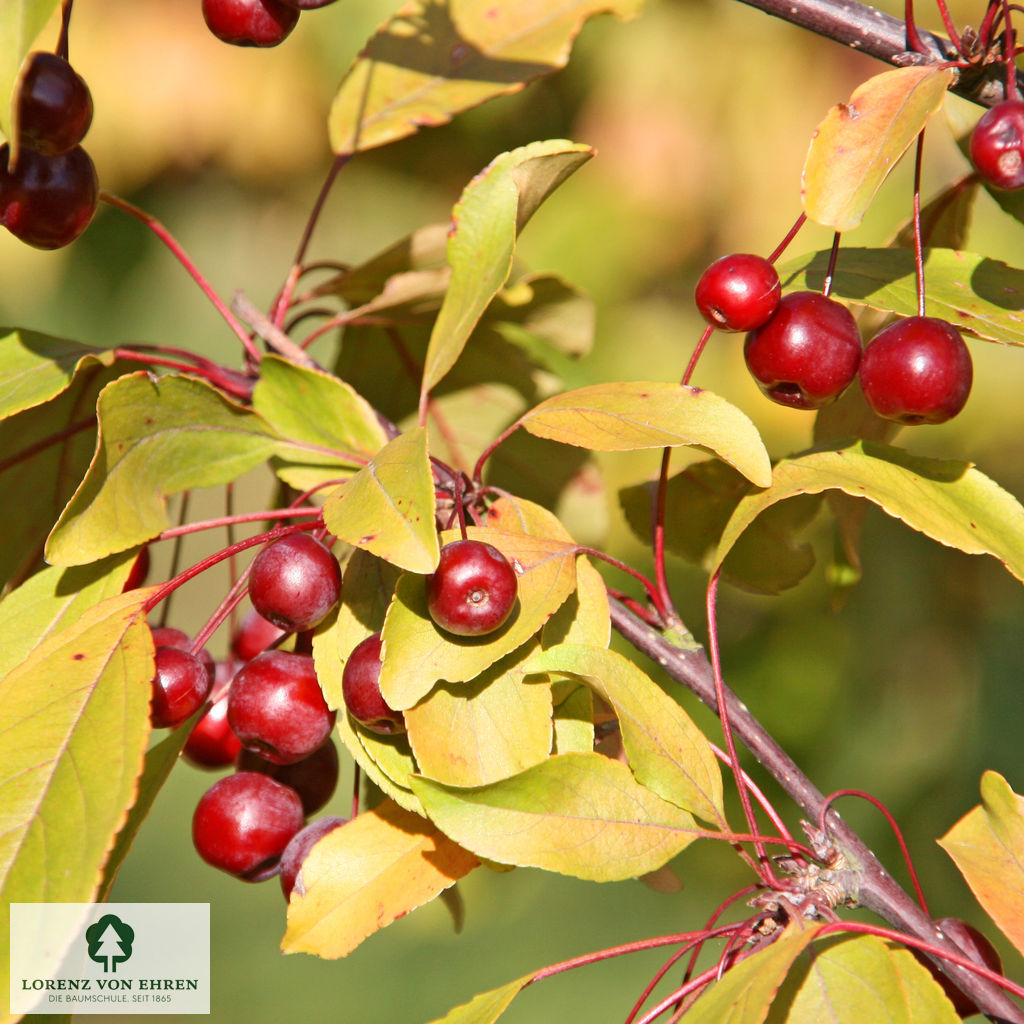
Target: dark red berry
[(53, 106), (212, 742), (243, 823), (360, 689), (975, 945), (997, 145), (807, 353), (314, 778), (738, 292), (250, 22), (473, 589), (171, 636), (294, 582), (917, 370), (298, 849), (47, 201), (254, 636), (180, 685), (276, 707)]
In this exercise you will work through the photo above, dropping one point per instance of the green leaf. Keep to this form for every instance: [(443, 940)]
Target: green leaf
[(487, 1006), (987, 846), (434, 59), (947, 500), (158, 436), (667, 753), (945, 219), (21, 21), (75, 721), (52, 600), (418, 654), (387, 508), (745, 992), (577, 814), (494, 726), (699, 501), (49, 448), (851, 980), (337, 428), (493, 208), (981, 296), (36, 367), (858, 143), (652, 414)]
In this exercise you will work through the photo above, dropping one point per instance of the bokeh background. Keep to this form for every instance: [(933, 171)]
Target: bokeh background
[(701, 112)]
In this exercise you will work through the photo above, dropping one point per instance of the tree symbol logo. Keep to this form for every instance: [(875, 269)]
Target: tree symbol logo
[(110, 942)]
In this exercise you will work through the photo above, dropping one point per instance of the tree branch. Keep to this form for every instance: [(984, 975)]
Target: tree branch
[(878, 891)]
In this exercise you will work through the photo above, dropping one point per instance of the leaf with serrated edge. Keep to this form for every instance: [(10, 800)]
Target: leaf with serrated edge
[(494, 726), (432, 60), (21, 21), (75, 722), (858, 143), (633, 415), (366, 874), (387, 508), (577, 814), (979, 295), (36, 367), (666, 751), (417, 653), (158, 436), (987, 846), (947, 500), (492, 210), (842, 980), (743, 995)]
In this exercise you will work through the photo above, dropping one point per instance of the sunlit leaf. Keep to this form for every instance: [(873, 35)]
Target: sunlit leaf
[(366, 874), (699, 501), (858, 143), (667, 752), (851, 980), (494, 726), (980, 295), (434, 59), (418, 653), (577, 814), (158, 436), (948, 500), (585, 618), (493, 208), (745, 992), (21, 21), (387, 508), (987, 846), (652, 414), (487, 1006), (74, 721), (337, 427)]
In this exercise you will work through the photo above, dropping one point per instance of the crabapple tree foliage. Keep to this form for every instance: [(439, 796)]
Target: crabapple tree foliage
[(478, 668)]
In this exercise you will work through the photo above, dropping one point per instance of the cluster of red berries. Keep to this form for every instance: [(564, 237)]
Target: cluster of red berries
[(997, 145), (804, 349), (255, 22), (48, 186), (269, 720)]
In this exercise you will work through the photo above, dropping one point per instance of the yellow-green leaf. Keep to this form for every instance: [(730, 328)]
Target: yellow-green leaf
[(667, 752), (387, 508), (493, 208), (366, 874), (652, 414), (948, 500), (434, 59), (858, 143), (578, 814), (486, 1007), (987, 846)]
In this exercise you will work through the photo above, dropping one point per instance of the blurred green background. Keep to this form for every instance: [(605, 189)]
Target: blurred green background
[(701, 112)]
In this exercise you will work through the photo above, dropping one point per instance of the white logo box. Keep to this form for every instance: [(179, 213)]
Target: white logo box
[(110, 958)]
